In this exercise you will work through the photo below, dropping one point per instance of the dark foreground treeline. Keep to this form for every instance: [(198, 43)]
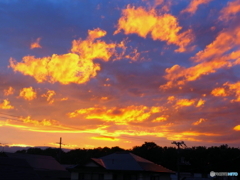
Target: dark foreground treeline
[(222, 158)]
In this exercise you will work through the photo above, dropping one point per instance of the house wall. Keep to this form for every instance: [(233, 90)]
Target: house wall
[(108, 176), (165, 177), (74, 175), (119, 176), (150, 176)]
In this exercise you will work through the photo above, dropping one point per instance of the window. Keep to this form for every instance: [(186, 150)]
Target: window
[(154, 177), (100, 176), (81, 176), (129, 176)]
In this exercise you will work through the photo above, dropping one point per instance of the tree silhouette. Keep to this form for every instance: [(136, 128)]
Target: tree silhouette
[(195, 159)]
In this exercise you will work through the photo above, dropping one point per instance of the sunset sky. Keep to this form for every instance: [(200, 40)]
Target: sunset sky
[(119, 72)]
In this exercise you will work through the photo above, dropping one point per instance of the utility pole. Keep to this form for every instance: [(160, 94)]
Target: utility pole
[(178, 144), (60, 150), (60, 143)]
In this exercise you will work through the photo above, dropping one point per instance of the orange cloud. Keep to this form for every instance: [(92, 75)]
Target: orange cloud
[(104, 98), (64, 99), (75, 67), (224, 42), (215, 56), (227, 90), (161, 118), (171, 99), (105, 138), (118, 115), (235, 87), (193, 6), (36, 44), (6, 105), (200, 103), (163, 27), (43, 122), (161, 131), (67, 68), (199, 122), (185, 102), (50, 126), (237, 128), (89, 49), (53, 126), (230, 10), (8, 91), (219, 92), (190, 135), (49, 95), (28, 94), (158, 131)]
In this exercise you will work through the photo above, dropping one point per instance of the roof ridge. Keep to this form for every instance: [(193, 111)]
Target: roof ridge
[(99, 161), (140, 158)]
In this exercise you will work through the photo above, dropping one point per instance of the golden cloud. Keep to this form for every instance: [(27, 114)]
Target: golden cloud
[(235, 87), (36, 44), (64, 99), (227, 90), (225, 41), (185, 102), (118, 115), (75, 67), (237, 128), (9, 91), (171, 99), (193, 6), (161, 118), (28, 94), (6, 105), (215, 56), (138, 131), (90, 49), (104, 98), (43, 122), (190, 135), (105, 138), (49, 95), (219, 92), (200, 103), (52, 126), (67, 68), (160, 131), (49, 126), (161, 27), (199, 122)]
